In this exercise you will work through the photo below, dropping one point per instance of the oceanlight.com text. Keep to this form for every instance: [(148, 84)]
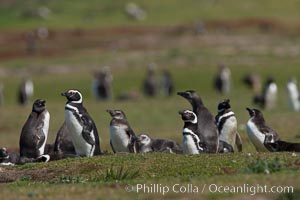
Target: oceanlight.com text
[(208, 188)]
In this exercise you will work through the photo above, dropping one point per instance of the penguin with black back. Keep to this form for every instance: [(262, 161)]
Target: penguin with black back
[(63, 144), (259, 132), (280, 146), (122, 137), (81, 126), (227, 126), (207, 128), (148, 144), (192, 141), (35, 131)]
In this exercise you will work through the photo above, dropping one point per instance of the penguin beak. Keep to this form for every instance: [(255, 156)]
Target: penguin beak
[(181, 94), (250, 111), (227, 100), (64, 94), (180, 112), (110, 111), (43, 102)]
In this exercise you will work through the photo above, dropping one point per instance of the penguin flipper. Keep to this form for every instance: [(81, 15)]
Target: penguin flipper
[(112, 147), (132, 146), (39, 138), (87, 130), (238, 142)]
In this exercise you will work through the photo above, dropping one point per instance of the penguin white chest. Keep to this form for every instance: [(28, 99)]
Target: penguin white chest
[(293, 96), (82, 148), (228, 131), (119, 138), (45, 131), (190, 142), (256, 137)]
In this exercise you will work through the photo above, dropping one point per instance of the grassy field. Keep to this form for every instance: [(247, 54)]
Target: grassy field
[(68, 59)]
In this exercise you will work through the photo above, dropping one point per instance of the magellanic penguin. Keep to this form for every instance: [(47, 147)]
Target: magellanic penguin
[(8, 159), (280, 146), (82, 128), (207, 128), (26, 90), (192, 142), (293, 95), (122, 137), (268, 99), (223, 79), (35, 131), (149, 144), (259, 133), (63, 144), (150, 82), (227, 126)]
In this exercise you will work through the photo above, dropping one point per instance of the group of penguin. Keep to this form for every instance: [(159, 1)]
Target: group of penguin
[(78, 136)]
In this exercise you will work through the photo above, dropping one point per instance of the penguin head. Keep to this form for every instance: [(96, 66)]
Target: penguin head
[(188, 116), (224, 105), (254, 112), (191, 96), (73, 96), (116, 114), (144, 139), (39, 106), (3, 153)]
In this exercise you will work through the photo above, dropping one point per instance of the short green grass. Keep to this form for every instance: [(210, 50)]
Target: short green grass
[(75, 14), (192, 60)]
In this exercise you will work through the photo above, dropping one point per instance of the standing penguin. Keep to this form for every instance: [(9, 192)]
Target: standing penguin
[(207, 128), (259, 133), (227, 126), (149, 144), (192, 141), (35, 131), (150, 82), (223, 79), (167, 85), (122, 137), (82, 128), (268, 98), (26, 90), (293, 95)]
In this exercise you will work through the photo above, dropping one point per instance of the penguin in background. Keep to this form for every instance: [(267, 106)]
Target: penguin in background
[(102, 84), (227, 126), (122, 137), (222, 81), (293, 94), (207, 128), (25, 92), (268, 99), (83, 130), (167, 84), (253, 81), (148, 144), (35, 131), (259, 132), (192, 141), (1, 94), (150, 85)]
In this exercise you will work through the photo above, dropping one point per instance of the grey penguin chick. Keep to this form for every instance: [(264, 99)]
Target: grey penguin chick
[(122, 137), (149, 144), (35, 131)]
